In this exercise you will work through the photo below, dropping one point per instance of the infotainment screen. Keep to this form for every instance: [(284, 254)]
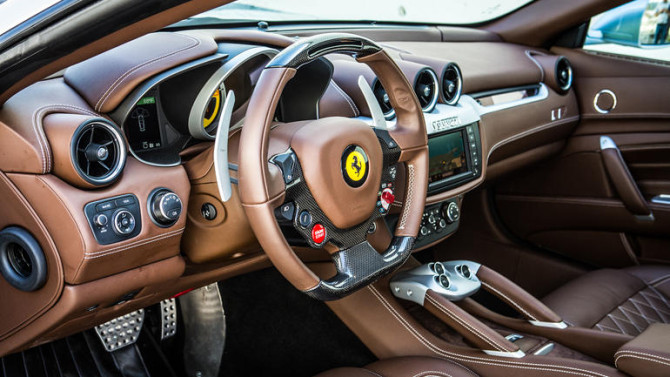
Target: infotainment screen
[(447, 156)]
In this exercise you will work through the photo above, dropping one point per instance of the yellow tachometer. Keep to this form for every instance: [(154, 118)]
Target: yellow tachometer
[(213, 107)]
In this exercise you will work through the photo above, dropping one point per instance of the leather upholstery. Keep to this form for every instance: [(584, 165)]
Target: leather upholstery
[(416, 366), (647, 355), (625, 301)]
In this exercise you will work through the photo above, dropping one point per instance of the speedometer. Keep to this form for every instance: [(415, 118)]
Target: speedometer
[(212, 110)]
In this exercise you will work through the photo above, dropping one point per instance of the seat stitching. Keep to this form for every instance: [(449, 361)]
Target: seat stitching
[(659, 295), (482, 336), (478, 360), (160, 237), (631, 355), (425, 373), (638, 304), (625, 311), (510, 301), (659, 280)]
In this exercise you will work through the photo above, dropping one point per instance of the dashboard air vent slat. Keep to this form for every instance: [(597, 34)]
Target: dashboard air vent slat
[(426, 89), (99, 152), (452, 84)]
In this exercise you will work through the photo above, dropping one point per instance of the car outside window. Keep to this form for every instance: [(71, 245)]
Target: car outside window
[(636, 29), (14, 12)]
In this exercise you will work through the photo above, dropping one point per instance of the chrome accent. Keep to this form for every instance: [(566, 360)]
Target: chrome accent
[(378, 118), (215, 82), (436, 90), (221, 148), (459, 84), (553, 325), (661, 199), (568, 85), (515, 355), (514, 337), (412, 285), (597, 96), (542, 94), (544, 350), (606, 142)]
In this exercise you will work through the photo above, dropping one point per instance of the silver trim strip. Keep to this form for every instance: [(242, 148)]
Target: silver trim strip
[(515, 355), (221, 149), (542, 94), (661, 199), (553, 325), (544, 350)]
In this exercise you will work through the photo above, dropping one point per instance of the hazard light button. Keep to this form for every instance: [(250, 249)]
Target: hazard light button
[(318, 233)]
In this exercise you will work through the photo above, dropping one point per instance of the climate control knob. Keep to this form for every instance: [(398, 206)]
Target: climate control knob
[(165, 207), (452, 213)]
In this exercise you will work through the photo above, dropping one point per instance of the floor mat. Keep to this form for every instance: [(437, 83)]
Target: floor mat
[(83, 355), (275, 330)]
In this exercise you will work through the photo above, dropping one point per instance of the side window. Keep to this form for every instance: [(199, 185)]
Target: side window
[(636, 29)]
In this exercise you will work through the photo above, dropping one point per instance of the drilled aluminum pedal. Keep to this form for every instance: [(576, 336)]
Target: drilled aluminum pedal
[(122, 331), (168, 318)]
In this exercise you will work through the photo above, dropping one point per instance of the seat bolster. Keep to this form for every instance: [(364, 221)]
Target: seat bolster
[(657, 276), (584, 301), (419, 367)]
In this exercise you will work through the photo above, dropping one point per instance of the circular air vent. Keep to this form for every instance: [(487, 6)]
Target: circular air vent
[(98, 152), (452, 84), (563, 73), (383, 100), (426, 89)]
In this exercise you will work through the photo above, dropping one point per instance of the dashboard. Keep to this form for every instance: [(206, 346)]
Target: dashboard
[(116, 178)]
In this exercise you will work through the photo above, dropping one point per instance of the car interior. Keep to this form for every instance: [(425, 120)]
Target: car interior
[(223, 194)]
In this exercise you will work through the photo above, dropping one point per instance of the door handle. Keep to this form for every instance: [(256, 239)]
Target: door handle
[(623, 181)]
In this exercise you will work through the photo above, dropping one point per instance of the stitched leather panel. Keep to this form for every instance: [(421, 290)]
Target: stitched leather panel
[(638, 312)]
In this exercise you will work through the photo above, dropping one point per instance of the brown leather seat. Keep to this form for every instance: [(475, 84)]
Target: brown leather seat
[(416, 366), (626, 301)]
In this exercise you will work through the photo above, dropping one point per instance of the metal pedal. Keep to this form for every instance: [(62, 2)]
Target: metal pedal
[(122, 331), (168, 318)]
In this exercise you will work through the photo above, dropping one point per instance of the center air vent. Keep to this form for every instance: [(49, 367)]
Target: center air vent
[(98, 152), (383, 100), (425, 87), (452, 84), (563, 73)]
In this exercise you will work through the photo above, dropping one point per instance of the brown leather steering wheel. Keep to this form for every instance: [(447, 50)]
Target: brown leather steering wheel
[(333, 170)]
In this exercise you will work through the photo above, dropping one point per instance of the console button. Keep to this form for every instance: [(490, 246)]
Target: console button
[(318, 233), (424, 231), (305, 219), (442, 224), (123, 222), (444, 281), (125, 201), (208, 211), (105, 206), (100, 220)]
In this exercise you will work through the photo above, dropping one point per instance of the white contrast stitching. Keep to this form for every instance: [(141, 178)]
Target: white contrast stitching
[(103, 253), (641, 356), (435, 372), (346, 98), (510, 301), (410, 195), (121, 78), (481, 335), (478, 360)]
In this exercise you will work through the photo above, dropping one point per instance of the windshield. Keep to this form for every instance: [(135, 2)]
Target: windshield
[(15, 12), (446, 12)]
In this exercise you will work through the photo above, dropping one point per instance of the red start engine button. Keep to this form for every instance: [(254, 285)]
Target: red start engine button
[(318, 233)]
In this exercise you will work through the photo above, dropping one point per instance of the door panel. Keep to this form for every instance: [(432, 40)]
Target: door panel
[(570, 205)]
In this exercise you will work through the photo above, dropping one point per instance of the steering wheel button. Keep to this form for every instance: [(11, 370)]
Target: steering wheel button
[(318, 233), (305, 219)]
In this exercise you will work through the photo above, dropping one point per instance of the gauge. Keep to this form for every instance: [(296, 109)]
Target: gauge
[(212, 110)]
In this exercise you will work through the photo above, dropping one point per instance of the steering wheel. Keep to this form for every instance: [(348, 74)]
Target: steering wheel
[(332, 182)]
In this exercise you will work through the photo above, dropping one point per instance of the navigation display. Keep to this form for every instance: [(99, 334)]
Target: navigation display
[(447, 156)]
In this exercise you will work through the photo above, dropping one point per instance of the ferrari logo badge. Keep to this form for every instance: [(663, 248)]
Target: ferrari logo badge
[(355, 165)]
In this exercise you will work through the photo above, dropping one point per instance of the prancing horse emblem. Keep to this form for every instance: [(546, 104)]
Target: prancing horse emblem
[(354, 165)]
